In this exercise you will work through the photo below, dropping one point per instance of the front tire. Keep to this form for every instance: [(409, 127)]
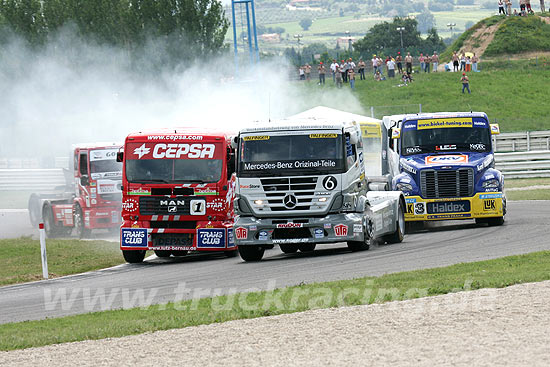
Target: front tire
[(50, 227), (163, 253), (251, 253), (80, 228), (498, 221), (133, 256), (356, 246), (399, 234), (288, 248), (306, 247)]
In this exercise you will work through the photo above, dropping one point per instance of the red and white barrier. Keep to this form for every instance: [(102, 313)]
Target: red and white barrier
[(43, 251)]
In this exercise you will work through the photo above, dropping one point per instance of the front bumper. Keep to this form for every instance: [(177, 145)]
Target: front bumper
[(102, 217), (275, 231), (481, 205)]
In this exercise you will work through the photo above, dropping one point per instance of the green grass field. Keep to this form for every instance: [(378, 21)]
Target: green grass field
[(407, 285), (20, 258)]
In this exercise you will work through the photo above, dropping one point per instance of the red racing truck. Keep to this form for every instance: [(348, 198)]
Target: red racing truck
[(90, 198), (177, 193)]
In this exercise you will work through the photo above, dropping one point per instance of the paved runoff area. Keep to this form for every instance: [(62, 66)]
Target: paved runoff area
[(492, 327)]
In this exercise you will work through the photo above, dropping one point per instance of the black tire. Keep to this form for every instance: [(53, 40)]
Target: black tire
[(355, 246), (399, 234), (251, 253), (179, 253), (288, 248), (230, 253), (34, 210), (163, 253), (306, 247), (414, 226), (498, 221), (133, 256), (50, 227), (80, 230)]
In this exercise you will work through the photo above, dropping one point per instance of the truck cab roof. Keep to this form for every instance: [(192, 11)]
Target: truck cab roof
[(438, 115), (183, 133)]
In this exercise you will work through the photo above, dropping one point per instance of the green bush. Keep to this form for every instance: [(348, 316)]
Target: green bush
[(520, 34)]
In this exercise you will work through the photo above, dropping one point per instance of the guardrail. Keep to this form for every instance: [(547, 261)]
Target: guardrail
[(522, 142), (524, 164), (31, 179)]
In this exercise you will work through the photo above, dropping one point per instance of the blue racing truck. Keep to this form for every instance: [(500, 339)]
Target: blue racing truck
[(445, 166)]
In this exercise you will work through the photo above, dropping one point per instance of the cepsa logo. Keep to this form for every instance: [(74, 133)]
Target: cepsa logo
[(176, 151), (446, 159)]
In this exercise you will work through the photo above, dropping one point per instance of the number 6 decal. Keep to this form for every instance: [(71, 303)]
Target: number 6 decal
[(329, 183)]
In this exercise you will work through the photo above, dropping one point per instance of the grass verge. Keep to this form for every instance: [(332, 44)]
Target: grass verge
[(525, 182), (541, 194), (20, 258), (406, 285)]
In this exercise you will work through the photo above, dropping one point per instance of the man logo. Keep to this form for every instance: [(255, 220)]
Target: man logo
[(172, 209), (290, 201), (341, 230), (241, 233), (489, 205), (330, 182)]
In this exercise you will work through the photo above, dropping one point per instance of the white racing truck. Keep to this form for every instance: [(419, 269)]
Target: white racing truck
[(301, 182)]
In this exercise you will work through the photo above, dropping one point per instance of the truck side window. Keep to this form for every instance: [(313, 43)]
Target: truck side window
[(83, 167), (391, 143)]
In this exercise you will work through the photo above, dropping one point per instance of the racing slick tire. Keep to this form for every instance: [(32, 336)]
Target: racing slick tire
[(498, 221), (179, 253), (288, 248), (306, 247), (34, 210), (355, 246), (231, 253), (133, 256), (80, 228), (51, 229), (163, 253), (399, 234), (251, 253)]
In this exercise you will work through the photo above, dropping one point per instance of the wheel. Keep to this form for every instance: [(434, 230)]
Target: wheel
[(414, 226), (81, 230), (355, 246), (306, 247), (231, 253), (133, 256), (288, 248), (163, 253), (49, 223), (179, 253), (498, 221), (399, 234), (34, 210), (251, 253)]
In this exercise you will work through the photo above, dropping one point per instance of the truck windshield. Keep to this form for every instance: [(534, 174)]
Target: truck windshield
[(309, 153), (174, 170), (471, 139), (104, 161)]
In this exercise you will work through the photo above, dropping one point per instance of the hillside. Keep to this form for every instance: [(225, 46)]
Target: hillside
[(499, 36)]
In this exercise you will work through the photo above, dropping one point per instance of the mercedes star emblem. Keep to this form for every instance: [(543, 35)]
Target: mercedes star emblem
[(290, 201)]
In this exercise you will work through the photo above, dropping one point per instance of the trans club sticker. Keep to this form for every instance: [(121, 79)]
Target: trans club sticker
[(133, 237), (211, 238)]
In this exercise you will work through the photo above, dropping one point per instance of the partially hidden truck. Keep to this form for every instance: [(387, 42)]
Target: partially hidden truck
[(177, 193), (301, 182), (90, 198), (445, 166)]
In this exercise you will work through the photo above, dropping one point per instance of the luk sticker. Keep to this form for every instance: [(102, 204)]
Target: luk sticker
[(489, 205), (447, 159)]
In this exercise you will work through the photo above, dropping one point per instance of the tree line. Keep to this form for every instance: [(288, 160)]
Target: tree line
[(186, 28)]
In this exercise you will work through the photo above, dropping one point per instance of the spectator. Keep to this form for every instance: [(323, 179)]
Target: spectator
[(391, 68), (501, 7), (351, 77), (462, 62), (528, 6), (351, 64), (435, 61), (321, 69), (379, 63), (516, 12), (338, 76), (427, 61), (522, 7), (468, 64), (422, 63), (374, 64), (455, 61), (475, 60), (333, 67), (465, 83), (302, 73), (361, 67), (399, 60), (307, 69), (508, 7), (408, 62), (344, 70)]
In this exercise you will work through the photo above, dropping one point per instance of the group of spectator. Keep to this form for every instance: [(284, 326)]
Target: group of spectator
[(463, 62), (505, 7)]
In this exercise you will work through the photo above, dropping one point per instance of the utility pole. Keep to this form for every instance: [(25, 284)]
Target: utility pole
[(451, 25), (401, 29)]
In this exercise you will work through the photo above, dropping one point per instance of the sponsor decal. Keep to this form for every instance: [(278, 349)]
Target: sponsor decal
[(489, 205), (230, 239), (490, 196), (480, 123), (94, 196), (175, 137), (357, 228), (407, 167), (216, 205), (176, 151), (94, 201), (290, 240), (133, 237), (446, 159), (262, 236), (327, 225), (319, 233), (445, 147), (253, 227), (495, 129), (410, 125), (341, 230), (251, 186), (140, 191), (290, 225), (141, 151), (419, 208), (330, 183), (410, 200), (410, 208), (319, 163), (448, 207), (107, 187), (206, 191), (241, 233), (255, 137), (486, 163), (450, 216), (323, 136), (103, 154), (211, 237), (198, 207), (444, 123), (413, 150), (478, 147), (93, 190)]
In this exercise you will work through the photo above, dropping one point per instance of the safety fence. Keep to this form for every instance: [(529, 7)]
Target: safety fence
[(522, 142), (31, 179), (524, 164)]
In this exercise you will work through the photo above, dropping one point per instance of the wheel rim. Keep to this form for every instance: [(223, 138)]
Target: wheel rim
[(78, 223), (401, 221)]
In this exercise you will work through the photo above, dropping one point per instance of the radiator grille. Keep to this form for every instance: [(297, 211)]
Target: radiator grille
[(275, 189), (447, 184)]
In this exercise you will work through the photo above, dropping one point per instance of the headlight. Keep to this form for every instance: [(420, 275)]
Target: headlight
[(490, 184), (401, 186)]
